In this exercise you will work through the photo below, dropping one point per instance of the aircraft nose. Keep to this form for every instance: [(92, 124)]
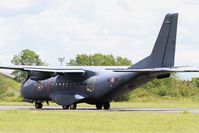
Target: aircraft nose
[(27, 90), (24, 91)]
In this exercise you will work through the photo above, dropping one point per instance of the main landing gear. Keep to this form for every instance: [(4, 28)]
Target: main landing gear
[(106, 106), (71, 107), (65, 107), (99, 106)]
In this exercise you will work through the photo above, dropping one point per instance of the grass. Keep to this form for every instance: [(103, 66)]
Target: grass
[(97, 122), (18, 121), (3, 103), (9, 89)]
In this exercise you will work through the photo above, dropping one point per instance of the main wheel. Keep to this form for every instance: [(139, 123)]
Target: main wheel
[(106, 105), (73, 106), (38, 105), (65, 107), (99, 106)]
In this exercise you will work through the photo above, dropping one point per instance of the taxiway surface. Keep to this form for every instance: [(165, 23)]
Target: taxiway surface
[(89, 109)]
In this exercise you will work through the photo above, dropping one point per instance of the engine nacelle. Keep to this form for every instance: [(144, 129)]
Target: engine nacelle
[(35, 75)]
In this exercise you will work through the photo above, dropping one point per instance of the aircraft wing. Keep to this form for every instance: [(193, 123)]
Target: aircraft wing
[(45, 69), (76, 69), (162, 69)]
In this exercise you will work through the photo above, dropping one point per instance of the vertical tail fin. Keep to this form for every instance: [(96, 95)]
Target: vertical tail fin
[(163, 53)]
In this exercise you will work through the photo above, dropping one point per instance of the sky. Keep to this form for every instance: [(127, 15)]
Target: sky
[(65, 28)]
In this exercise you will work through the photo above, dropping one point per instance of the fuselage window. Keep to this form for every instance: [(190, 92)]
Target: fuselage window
[(46, 84), (82, 84), (66, 84)]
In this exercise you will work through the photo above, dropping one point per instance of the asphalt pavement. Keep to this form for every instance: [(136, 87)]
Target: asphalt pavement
[(92, 109)]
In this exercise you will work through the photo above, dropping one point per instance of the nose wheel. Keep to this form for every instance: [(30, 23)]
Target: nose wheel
[(38, 105)]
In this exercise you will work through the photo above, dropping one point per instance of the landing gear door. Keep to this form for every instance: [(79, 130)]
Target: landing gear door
[(91, 84)]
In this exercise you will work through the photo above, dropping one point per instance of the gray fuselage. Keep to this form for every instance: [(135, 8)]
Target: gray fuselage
[(98, 86)]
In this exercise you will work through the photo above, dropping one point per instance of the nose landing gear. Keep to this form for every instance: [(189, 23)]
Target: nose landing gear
[(38, 105)]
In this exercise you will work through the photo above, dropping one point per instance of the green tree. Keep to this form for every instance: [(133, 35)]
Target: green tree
[(101, 60), (25, 57), (171, 88)]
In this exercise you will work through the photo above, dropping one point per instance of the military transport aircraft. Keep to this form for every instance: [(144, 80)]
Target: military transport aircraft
[(69, 86)]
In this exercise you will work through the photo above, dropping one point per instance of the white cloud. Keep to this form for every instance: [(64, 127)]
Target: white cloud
[(5, 33), (151, 5), (15, 4)]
